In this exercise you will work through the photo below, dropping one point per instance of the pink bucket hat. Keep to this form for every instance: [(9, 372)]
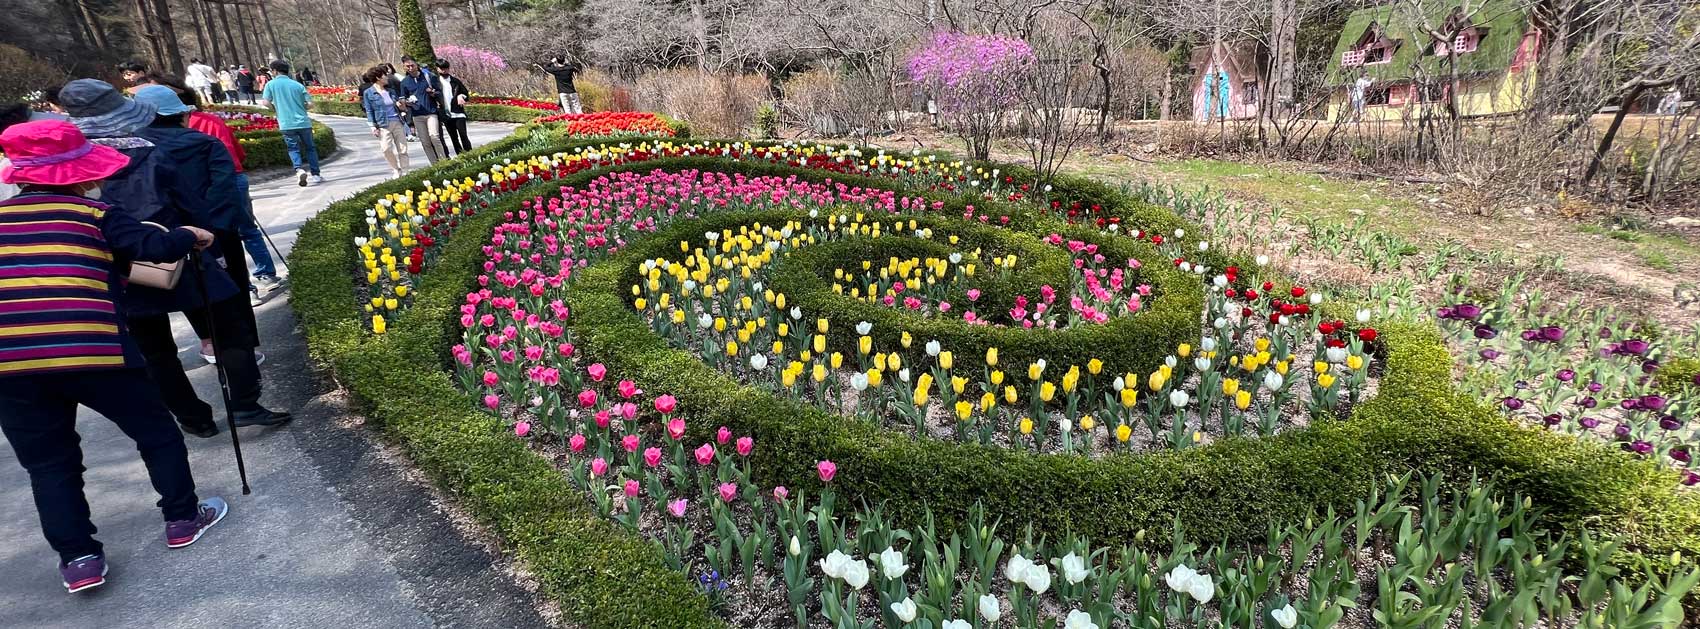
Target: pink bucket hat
[(55, 153)]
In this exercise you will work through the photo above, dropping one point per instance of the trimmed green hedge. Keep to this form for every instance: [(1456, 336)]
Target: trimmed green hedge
[(474, 112), (1230, 490), (265, 149)]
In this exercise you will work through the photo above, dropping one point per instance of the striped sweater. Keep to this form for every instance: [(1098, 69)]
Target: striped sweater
[(59, 282)]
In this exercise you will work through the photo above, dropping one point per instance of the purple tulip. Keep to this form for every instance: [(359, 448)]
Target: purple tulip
[(1566, 375), (1552, 334), (1488, 353), (1595, 387), (1512, 403), (1697, 379), (1552, 419), (1681, 455), (1691, 478), (1530, 335), (1605, 332), (1622, 430), (1589, 423), (1521, 385), (1629, 404), (1653, 403), (1633, 346), (1446, 312), (1640, 447), (1588, 402), (1486, 332), (1669, 422), (1469, 312), (1650, 366)]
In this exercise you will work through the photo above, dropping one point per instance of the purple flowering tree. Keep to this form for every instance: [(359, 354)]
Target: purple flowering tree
[(976, 80), (474, 64)]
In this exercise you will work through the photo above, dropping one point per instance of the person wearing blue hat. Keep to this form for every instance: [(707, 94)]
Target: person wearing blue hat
[(205, 189)]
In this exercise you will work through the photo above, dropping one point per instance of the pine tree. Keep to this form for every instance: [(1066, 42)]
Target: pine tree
[(415, 39)]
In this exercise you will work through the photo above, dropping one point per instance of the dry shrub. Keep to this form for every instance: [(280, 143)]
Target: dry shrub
[(21, 74), (601, 91), (714, 104)]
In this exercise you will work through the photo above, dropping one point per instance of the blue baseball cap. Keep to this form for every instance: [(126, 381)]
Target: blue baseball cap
[(163, 99)]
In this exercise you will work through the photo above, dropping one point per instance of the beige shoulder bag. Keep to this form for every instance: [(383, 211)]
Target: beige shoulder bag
[(160, 275)]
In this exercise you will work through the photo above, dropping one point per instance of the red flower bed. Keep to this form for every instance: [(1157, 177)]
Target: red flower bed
[(245, 122), (340, 92), (527, 103), (611, 123)]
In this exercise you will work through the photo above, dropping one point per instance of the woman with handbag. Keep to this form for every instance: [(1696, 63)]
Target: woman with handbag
[(64, 343)]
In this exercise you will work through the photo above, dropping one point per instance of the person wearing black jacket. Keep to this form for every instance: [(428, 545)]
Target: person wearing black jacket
[(454, 95), (563, 71), (245, 84)]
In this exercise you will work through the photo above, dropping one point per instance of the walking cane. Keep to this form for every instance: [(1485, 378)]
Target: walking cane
[(223, 380)]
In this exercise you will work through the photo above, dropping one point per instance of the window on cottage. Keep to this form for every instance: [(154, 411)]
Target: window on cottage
[(1378, 96), (1432, 92), (1468, 39), (1381, 51)]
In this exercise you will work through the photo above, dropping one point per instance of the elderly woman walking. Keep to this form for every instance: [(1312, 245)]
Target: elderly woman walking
[(63, 340)]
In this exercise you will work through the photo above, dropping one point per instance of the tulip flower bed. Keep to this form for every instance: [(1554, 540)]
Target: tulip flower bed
[(591, 333), (522, 103), (243, 122), (610, 123)]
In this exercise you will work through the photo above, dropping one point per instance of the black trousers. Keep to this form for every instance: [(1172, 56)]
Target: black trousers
[(455, 128), (39, 416)]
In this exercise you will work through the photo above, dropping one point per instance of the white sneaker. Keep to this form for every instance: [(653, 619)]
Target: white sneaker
[(266, 284), (301, 177), (254, 296), (413, 138), (395, 173), (315, 179)]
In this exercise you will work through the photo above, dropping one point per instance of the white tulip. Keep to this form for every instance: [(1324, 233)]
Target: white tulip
[(1079, 620), (1180, 233), (1171, 361), (1119, 384), (1262, 260), (956, 624), (1186, 266), (1207, 344), (690, 285), (1221, 281), (833, 564), (863, 328), (1179, 398), (1287, 617), (796, 313), (1220, 322), (814, 212), (1201, 588), (1336, 354), (933, 348), (796, 546), (892, 565), (1038, 578), (859, 382), (1065, 425), (1284, 320), (1201, 270), (856, 574), (904, 610), (1073, 568), (1203, 245), (1202, 363), (711, 236), (758, 362), (1364, 315), (1272, 381), (903, 374), (1315, 298), (989, 608), (1016, 569), (1178, 577), (704, 320), (955, 258)]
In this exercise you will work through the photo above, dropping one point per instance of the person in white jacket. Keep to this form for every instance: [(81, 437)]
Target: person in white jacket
[(201, 78)]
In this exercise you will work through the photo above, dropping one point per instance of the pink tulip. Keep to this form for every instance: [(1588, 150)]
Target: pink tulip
[(522, 429), (723, 435), (827, 470), (652, 456), (598, 467), (630, 443), (745, 445), (676, 428), (587, 398), (597, 372), (631, 488), (780, 493), (628, 389), (492, 401), (728, 491), (491, 379), (628, 410), (576, 443), (602, 418), (677, 507), (666, 404), (973, 294), (705, 454)]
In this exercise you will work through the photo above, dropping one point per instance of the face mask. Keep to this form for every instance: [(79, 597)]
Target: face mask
[(92, 191)]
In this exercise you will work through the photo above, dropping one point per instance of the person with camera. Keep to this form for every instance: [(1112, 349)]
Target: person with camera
[(419, 91)]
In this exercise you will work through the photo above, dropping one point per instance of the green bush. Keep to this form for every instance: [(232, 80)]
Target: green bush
[(1230, 490), (415, 33), (266, 149)]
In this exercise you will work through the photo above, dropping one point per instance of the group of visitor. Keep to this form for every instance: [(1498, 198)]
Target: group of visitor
[(117, 211), (422, 104)]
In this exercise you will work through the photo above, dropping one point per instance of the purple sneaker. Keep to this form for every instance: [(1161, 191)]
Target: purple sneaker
[(180, 533), (82, 573)]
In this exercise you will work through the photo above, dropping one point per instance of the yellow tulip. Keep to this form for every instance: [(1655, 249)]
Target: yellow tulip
[(678, 317), (920, 395), (401, 291), (820, 372), (958, 383), (1230, 386), (784, 329), (865, 344), (1095, 366), (874, 378), (1262, 344), (1070, 380), (946, 359), (1156, 380), (1242, 400), (821, 325), (787, 378), (1183, 350), (820, 344), (837, 360), (378, 325), (1129, 396), (1354, 362), (1047, 391), (964, 410), (391, 304), (1123, 433), (1320, 367), (1027, 425), (1034, 371), (988, 401), (906, 340), (997, 378), (1087, 423), (1325, 380), (991, 357), (731, 348), (1281, 367), (641, 303), (895, 362), (1009, 395)]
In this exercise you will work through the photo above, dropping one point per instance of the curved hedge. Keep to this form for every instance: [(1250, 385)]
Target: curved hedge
[(265, 149), (1229, 490), (475, 112)]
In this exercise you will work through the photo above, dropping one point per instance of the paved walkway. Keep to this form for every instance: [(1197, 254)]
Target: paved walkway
[(334, 535)]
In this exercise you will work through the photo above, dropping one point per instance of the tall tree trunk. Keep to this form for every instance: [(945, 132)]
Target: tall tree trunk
[(236, 53), (1283, 71), (1168, 91), (147, 31), (168, 37), (271, 34), (91, 19), (472, 10), (249, 50), (1100, 55), (1611, 132), (201, 50), (73, 23)]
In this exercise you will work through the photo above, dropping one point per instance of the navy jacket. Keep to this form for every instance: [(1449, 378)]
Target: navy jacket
[(144, 190), (204, 177), (411, 87)]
